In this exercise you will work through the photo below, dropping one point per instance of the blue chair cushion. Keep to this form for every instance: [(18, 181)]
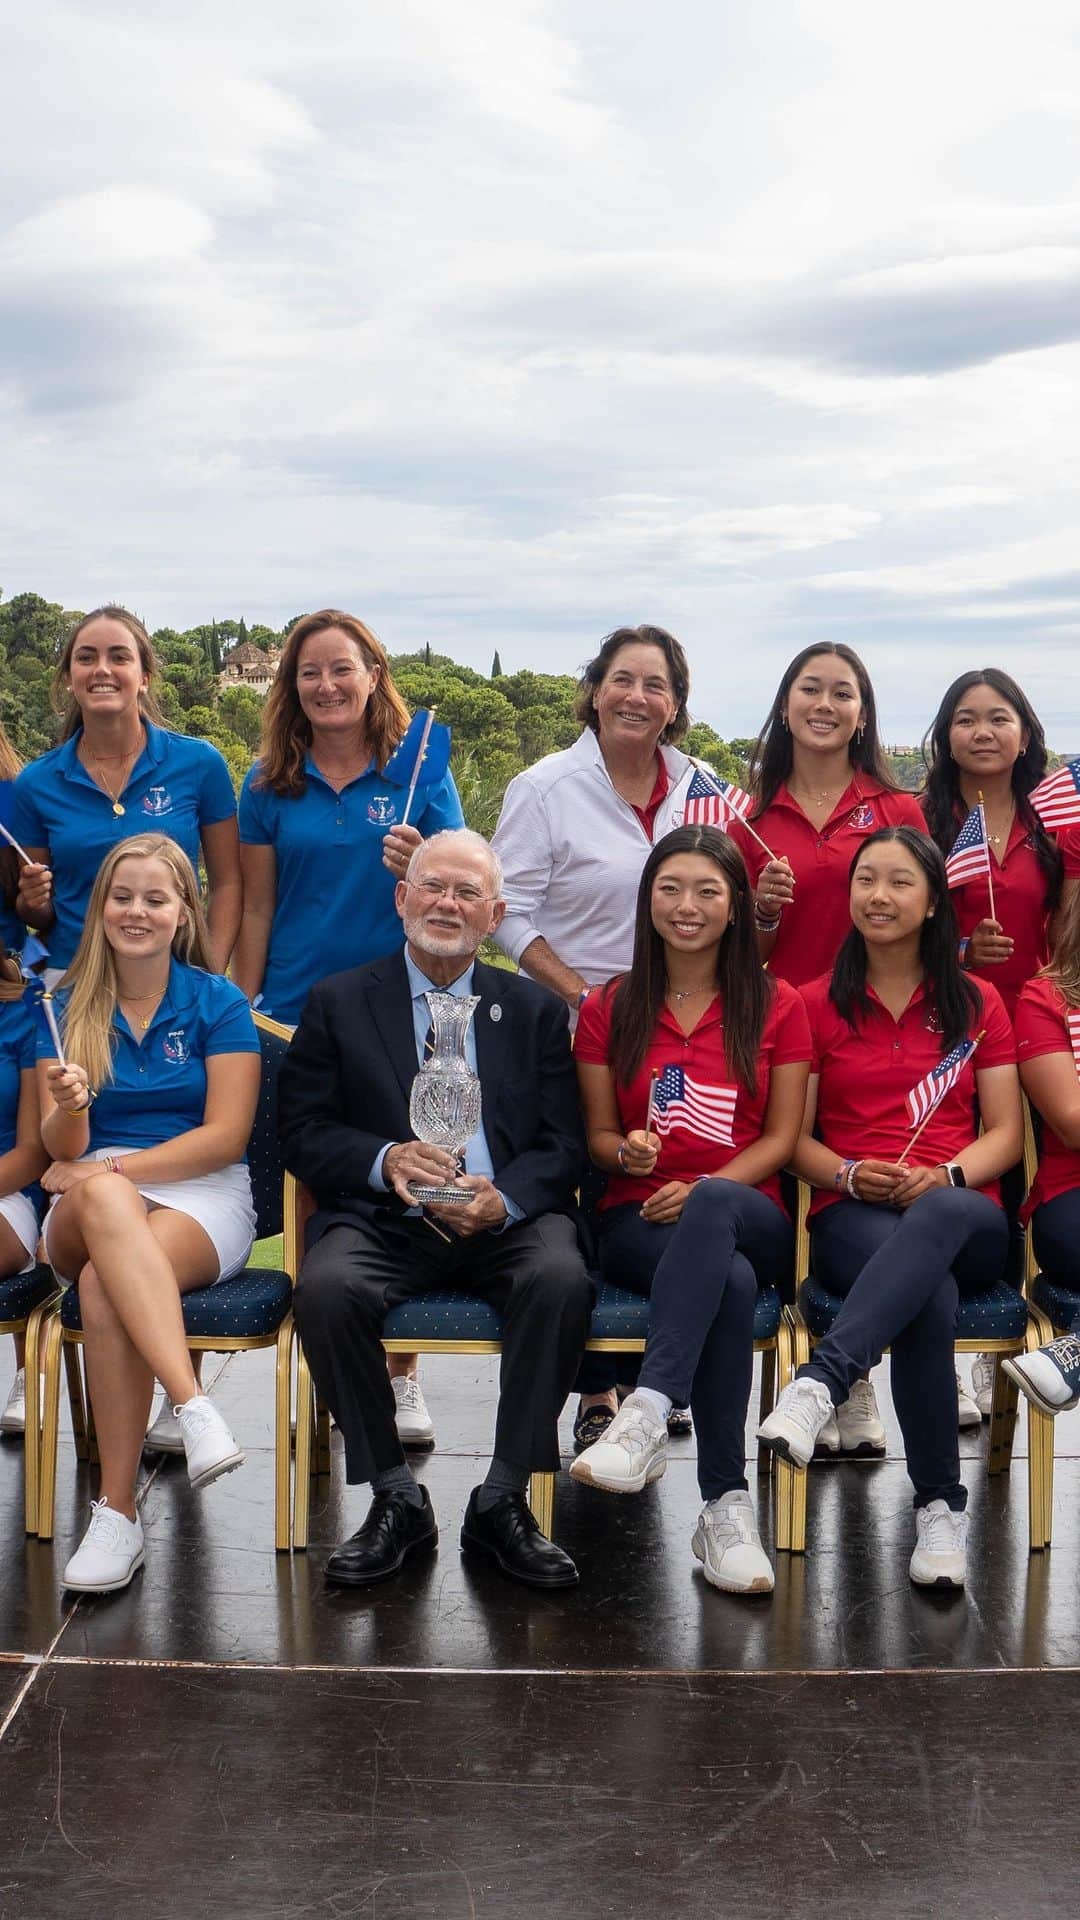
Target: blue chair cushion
[(618, 1315), (998, 1314), (442, 1315), (254, 1303), (1061, 1304), (25, 1291)]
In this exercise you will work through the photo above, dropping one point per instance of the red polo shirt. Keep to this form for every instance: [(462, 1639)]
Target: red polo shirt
[(1041, 1029), (867, 1071), (1020, 899), (684, 1154), (814, 927), (647, 814)]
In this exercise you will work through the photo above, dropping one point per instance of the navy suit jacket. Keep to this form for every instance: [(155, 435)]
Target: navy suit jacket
[(344, 1087)]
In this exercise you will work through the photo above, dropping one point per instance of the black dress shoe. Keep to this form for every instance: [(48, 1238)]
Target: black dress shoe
[(509, 1535), (394, 1527)]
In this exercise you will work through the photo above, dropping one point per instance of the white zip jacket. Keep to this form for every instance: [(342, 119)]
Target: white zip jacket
[(572, 851)]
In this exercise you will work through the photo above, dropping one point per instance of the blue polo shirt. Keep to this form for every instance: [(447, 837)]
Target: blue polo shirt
[(335, 899), (18, 1050), (177, 786), (158, 1088)]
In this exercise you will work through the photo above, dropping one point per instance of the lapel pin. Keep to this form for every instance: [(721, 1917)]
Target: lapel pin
[(496, 1010)]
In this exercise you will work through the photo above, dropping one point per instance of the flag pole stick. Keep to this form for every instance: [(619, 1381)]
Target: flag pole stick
[(12, 842), (989, 859), (650, 1109), (47, 1009), (420, 752), (929, 1116)]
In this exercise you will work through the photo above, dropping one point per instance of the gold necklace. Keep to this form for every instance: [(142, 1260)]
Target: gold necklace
[(140, 1000), (117, 807)]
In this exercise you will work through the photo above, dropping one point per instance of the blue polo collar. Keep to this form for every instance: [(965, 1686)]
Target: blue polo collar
[(71, 767)]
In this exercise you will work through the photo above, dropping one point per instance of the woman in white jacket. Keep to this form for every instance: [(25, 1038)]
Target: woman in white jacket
[(576, 829), (574, 834)]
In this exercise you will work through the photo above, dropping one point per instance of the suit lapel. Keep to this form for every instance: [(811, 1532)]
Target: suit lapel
[(390, 1003), (493, 1024)]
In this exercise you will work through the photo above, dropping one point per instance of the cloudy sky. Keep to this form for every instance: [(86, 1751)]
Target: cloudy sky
[(503, 322)]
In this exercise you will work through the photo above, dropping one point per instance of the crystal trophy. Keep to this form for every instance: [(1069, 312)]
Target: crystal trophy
[(444, 1106)]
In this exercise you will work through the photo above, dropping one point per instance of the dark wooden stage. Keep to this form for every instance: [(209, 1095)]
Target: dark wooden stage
[(231, 1739)]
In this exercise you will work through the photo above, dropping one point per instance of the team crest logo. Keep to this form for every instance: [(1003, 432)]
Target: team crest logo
[(157, 800), (381, 810), (861, 818), (175, 1046)]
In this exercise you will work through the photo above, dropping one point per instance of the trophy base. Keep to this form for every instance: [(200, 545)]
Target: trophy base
[(440, 1196)]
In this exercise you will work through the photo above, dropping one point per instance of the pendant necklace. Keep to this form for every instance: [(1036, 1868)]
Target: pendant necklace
[(688, 993), (125, 759), (140, 1000)]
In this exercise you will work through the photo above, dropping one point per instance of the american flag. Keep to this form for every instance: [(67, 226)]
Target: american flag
[(707, 1111), (1057, 800), (711, 802), (970, 856), (1072, 1021), (930, 1092)]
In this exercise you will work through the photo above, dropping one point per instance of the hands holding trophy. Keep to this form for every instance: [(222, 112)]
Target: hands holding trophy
[(444, 1106)]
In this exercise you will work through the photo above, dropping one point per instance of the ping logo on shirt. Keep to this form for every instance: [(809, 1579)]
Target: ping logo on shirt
[(157, 800), (381, 810), (175, 1046), (862, 817)]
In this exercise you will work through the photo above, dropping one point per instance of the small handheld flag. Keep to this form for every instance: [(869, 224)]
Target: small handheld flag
[(650, 1111), (715, 803), (1072, 1021), (925, 1098), (694, 1106), (43, 1006), (970, 856), (421, 758), (1056, 800)]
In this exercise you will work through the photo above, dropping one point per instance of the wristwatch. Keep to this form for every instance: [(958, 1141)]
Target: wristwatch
[(955, 1175)]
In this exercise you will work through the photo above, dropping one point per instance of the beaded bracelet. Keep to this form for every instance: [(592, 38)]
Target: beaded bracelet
[(841, 1174), (849, 1181), (112, 1163), (619, 1155), (765, 926)]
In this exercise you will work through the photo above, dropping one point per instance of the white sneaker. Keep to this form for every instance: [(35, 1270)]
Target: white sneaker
[(828, 1440), (940, 1556), (164, 1435), (415, 1427), (13, 1418), (210, 1447), (797, 1419), (110, 1551), (632, 1452), (859, 1421), (982, 1384), (728, 1544), (967, 1410)]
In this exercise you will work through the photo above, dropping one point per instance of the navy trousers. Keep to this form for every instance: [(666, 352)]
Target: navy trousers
[(701, 1276), (902, 1274), (1055, 1228)]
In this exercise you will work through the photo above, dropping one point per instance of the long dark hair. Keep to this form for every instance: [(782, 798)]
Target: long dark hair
[(773, 754), (952, 994), (740, 978), (942, 799), (678, 670)]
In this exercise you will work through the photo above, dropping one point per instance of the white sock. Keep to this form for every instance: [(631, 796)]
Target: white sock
[(658, 1402)]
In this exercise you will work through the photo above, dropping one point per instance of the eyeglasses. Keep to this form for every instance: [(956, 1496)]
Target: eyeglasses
[(465, 896)]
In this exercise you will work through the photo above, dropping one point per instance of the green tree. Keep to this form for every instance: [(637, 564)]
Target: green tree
[(496, 666), (703, 744)]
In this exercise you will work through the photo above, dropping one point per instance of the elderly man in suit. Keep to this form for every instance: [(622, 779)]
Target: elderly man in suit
[(344, 1123)]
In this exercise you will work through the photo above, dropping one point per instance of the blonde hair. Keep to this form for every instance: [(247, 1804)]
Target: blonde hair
[(286, 729), (89, 1035), (12, 984), (1063, 967), (61, 698)]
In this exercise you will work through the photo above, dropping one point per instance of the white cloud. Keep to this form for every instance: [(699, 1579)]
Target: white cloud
[(519, 319)]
